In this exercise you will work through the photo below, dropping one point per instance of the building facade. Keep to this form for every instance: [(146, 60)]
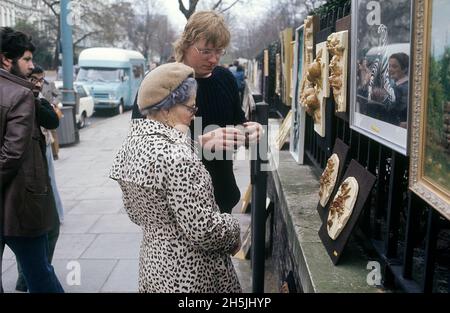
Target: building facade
[(30, 11)]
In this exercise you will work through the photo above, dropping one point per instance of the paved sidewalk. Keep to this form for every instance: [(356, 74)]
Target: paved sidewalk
[(97, 232)]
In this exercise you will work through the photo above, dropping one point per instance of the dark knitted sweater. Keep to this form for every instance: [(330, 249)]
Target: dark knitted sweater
[(218, 104)]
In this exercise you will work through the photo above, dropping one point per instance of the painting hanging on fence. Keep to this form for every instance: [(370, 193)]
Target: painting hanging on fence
[(286, 64), (309, 28), (297, 139), (278, 74), (430, 142), (338, 47), (380, 78), (318, 88)]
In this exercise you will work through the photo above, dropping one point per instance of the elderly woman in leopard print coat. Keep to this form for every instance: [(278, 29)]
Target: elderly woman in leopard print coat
[(168, 192)]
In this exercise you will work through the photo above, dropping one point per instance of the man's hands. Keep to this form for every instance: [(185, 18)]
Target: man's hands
[(254, 131), (225, 138), (231, 138)]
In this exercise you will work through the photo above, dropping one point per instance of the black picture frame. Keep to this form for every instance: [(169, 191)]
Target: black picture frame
[(341, 149), (365, 181)]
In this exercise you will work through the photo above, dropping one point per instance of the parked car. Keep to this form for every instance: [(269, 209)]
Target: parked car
[(112, 76), (85, 103)]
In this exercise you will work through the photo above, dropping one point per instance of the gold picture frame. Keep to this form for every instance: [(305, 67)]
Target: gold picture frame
[(431, 185)]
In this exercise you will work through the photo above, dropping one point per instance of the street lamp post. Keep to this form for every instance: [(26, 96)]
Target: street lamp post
[(67, 48), (68, 94)]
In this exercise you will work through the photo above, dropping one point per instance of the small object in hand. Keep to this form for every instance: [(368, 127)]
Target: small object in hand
[(58, 111), (247, 140)]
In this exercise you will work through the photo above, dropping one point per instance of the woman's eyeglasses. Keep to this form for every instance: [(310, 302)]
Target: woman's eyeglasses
[(207, 53), (193, 109)]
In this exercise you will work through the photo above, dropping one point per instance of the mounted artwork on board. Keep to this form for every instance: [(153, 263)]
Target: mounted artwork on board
[(345, 209), (380, 77), (309, 28), (337, 45), (331, 176), (317, 88)]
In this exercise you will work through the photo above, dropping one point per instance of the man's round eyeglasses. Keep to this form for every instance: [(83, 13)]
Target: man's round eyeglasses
[(35, 80), (207, 53)]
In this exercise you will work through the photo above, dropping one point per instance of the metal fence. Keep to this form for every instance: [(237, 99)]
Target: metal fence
[(409, 238)]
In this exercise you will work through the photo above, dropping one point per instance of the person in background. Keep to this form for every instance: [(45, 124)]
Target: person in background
[(47, 119), (399, 73), (168, 192), (233, 67), (239, 75), (238, 72), (201, 45), (53, 95), (27, 209)]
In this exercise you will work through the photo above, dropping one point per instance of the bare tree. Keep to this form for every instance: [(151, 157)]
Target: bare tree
[(223, 7), (215, 5), (53, 24), (163, 38), (115, 33), (255, 35), (187, 12), (149, 31), (88, 18)]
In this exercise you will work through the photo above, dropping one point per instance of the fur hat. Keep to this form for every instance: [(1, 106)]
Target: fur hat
[(160, 82)]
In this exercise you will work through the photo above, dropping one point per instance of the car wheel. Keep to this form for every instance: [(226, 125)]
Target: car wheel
[(82, 122), (120, 108)]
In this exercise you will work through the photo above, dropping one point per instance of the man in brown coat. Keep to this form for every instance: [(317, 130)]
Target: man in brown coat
[(26, 202)]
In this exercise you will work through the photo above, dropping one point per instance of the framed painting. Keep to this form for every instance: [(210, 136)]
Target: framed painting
[(430, 141), (286, 65), (278, 74), (380, 73), (297, 138)]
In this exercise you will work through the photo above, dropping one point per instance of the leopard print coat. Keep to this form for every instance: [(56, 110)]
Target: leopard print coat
[(168, 192)]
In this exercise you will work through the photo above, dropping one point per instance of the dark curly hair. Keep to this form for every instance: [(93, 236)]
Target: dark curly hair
[(14, 44)]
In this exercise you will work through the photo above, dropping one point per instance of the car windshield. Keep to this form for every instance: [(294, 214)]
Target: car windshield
[(99, 74)]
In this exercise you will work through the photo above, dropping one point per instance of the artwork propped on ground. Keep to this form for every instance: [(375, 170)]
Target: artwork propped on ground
[(335, 235), (342, 207), (328, 179), (284, 131)]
